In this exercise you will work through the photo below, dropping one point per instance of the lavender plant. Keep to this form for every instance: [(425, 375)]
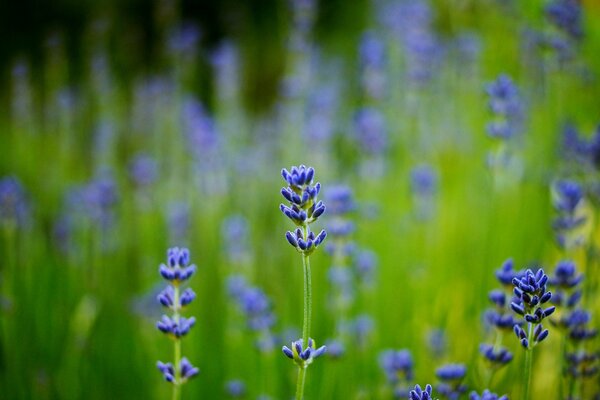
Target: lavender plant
[(577, 362), (530, 295), (486, 395), (398, 368), (177, 271), (256, 307), (500, 318), (451, 377), (421, 394), (303, 210), (506, 106), (568, 197), (13, 205)]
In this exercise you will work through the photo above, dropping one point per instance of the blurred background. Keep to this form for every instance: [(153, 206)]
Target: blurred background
[(440, 132)]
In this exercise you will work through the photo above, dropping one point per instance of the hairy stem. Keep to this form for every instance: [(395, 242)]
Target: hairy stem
[(177, 347), (307, 317), (528, 362)]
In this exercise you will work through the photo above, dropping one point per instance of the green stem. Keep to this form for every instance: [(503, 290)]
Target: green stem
[(300, 384), (563, 355), (177, 347), (307, 318), (307, 300), (528, 362)]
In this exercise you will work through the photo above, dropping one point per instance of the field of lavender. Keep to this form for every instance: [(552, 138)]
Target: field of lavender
[(421, 200)]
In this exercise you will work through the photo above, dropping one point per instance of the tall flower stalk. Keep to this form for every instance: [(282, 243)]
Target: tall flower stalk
[(176, 272), (303, 210), (530, 296)]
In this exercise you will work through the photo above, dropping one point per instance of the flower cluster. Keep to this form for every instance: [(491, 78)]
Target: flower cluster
[(451, 377), (424, 185), (567, 200), (530, 295), (573, 321), (176, 271), (303, 356), (566, 17), (372, 60), (256, 307), (186, 370), (486, 395), (419, 394), (398, 368), (303, 209), (13, 205), (500, 318), (505, 104)]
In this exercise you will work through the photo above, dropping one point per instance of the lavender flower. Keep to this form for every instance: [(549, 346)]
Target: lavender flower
[(235, 233), (451, 376), (397, 365), (423, 183), (372, 59), (567, 199), (143, 170), (497, 357), (486, 395), (176, 271), (235, 388), (505, 104), (371, 130), (14, 210), (303, 356), (567, 16), (530, 294), (419, 394), (303, 210)]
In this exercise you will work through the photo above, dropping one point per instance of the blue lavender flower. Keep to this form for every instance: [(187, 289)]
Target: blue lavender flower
[(372, 60), (183, 39), (256, 307), (13, 204), (397, 365), (566, 282), (568, 196), (143, 170), (235, 233), (303, 356), (486, 395), (411, 22), (235, 388), (495, 356), (437, 342), (505, 104), (567, 16), (178, 220), (360, 328), (321, 109), (371, 130), (303, 209), (451, 376), (506, 273), (365, 264), (423, 179), (335, 348), (419, 394), (530, 294), (582, 364), (423, 183), (176, 271)]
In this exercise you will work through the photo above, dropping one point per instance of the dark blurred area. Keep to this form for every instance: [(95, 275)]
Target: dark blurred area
[(133, 30)]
